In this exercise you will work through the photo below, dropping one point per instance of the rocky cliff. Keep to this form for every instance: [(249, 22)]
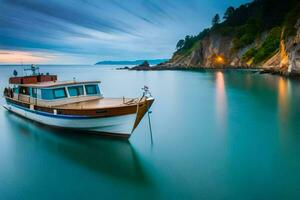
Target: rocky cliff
[(292, 61), (276, 49)]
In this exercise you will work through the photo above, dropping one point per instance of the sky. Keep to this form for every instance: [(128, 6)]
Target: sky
[(87, 31)]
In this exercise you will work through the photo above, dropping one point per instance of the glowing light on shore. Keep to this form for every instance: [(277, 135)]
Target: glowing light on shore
[(218, 59), (17, 57)]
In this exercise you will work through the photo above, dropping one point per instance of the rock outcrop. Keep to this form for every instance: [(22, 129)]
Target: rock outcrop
[(144, 66), (293, 53)]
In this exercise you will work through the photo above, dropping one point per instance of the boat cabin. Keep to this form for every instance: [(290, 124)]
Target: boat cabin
[(45, 90), (56, 93)]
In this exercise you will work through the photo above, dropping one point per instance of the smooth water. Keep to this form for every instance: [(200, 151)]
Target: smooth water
[(217, 135)]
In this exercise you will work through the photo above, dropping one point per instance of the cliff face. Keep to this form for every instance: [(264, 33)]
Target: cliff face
[(276, 48), (293, 53), (216, 51)]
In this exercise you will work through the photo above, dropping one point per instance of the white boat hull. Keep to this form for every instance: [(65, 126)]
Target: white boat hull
[(116, 125)]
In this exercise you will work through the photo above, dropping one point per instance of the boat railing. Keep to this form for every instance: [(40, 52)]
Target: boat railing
[(8, 92), (24, 98)]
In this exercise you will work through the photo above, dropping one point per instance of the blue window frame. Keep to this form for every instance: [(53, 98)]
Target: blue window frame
[(59, 93), (75, 90), (47, 94), (16, 90), (33, 92), (92, 89)]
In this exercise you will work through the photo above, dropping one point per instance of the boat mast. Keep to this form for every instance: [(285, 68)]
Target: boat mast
[(35, 70)]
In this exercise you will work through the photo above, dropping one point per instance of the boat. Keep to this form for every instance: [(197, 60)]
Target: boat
[(77, 105)]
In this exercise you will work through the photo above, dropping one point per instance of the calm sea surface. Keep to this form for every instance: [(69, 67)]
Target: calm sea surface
[(217, 135)]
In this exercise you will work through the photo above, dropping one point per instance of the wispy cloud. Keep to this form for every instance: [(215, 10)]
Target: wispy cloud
[(12, 57), (102, 29)]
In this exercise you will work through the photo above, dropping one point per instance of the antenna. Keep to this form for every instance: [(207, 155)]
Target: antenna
[(35, 70)]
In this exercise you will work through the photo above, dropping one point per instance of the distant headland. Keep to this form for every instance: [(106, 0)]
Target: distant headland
[(132, 62)]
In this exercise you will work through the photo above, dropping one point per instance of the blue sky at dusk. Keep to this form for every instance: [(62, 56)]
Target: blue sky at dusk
[(86, 31)]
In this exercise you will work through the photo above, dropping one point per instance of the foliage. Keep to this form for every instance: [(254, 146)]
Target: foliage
[(269, 46), (246, 23), (291, 20), (189, 41), (180, 44), (247, 33), (249, 54), (228, 13), (249, 20), (216, 20), (225, 30)]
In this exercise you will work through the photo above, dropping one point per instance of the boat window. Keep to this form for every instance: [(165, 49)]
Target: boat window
[(16, 90), (47, 94), (92, 89), (24, 90), (59, 93), (75, 90), (38, 93), (33, 92)]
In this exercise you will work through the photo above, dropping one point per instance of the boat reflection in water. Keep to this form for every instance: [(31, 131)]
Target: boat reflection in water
[(108, 157)]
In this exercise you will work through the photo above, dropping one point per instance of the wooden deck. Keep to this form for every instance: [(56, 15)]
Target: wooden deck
[(100, 103)]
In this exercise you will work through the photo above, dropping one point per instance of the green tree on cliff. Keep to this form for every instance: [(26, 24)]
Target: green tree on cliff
[(216, 20), (189, 41), (180, 44), (228, 13)]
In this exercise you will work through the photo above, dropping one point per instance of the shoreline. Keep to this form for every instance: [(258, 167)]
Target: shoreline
[(209, 69)]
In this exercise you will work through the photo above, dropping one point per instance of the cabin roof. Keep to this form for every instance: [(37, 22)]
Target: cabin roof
[(50, 84)]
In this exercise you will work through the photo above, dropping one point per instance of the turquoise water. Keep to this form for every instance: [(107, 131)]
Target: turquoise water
[(217, 135)]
